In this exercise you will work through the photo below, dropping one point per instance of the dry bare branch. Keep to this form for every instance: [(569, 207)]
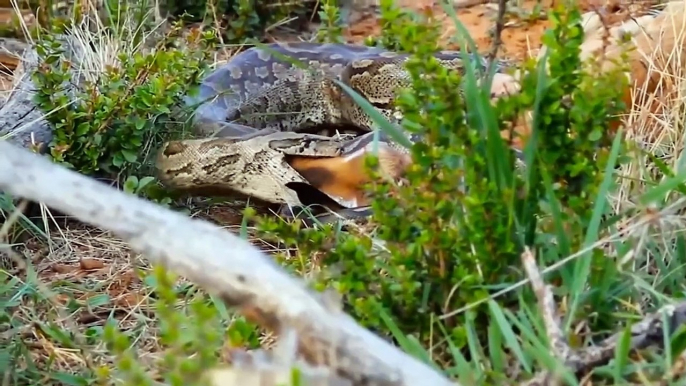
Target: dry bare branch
[(11, 51), (498, 31), (223, 264), (272, 368), (546, 304)]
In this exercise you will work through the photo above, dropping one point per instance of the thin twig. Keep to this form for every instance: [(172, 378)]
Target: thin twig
[(546, 304), (497, 34)]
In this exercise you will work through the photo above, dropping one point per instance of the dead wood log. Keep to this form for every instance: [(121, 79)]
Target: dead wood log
[(22, 122), (223, 264), (273, 368), (11, 51), (19, 115)]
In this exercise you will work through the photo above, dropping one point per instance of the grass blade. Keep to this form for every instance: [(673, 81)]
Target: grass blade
[(387, 127), (582, 267), (508, 334)]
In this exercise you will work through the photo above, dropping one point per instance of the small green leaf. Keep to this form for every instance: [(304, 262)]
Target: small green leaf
[(135, 142), (98, 300), (144, 182), (163, 109), (129, 155), (117, 160), (595, 135), (139, 122), (83, 128), (131, 184)]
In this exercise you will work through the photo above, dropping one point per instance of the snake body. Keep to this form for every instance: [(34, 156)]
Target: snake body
[(265, 118), (258, 88)]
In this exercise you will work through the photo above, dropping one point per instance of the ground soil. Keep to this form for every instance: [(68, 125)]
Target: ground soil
[(521, 37)]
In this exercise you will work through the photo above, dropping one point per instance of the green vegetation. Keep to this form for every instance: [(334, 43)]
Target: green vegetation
[(444, 286)]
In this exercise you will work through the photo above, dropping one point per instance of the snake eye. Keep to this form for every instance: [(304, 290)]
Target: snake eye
[(173, 148)]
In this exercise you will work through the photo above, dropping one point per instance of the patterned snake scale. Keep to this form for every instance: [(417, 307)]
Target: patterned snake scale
[(268, 127)]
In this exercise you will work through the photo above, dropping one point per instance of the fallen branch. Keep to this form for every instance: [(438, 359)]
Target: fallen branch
[(22, 122), (11, 51), (223, 264), (272, 368), (646, 333)]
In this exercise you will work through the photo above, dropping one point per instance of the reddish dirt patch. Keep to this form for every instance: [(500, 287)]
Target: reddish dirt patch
[(521, 38)]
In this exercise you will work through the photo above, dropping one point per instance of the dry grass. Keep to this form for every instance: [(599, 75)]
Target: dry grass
[(655, 124)]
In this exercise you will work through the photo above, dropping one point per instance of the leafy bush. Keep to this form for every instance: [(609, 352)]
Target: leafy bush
[(125, 112), (242, 19), (192, 336), (461, 222), (115, 115)]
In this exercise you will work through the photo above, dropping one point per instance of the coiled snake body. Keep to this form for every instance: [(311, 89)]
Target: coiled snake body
[(263, 119)]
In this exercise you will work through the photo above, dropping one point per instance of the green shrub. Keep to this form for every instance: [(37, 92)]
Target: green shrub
[(332, 23), (122, 114), (455, 232), (242, 20), (192, 336)]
